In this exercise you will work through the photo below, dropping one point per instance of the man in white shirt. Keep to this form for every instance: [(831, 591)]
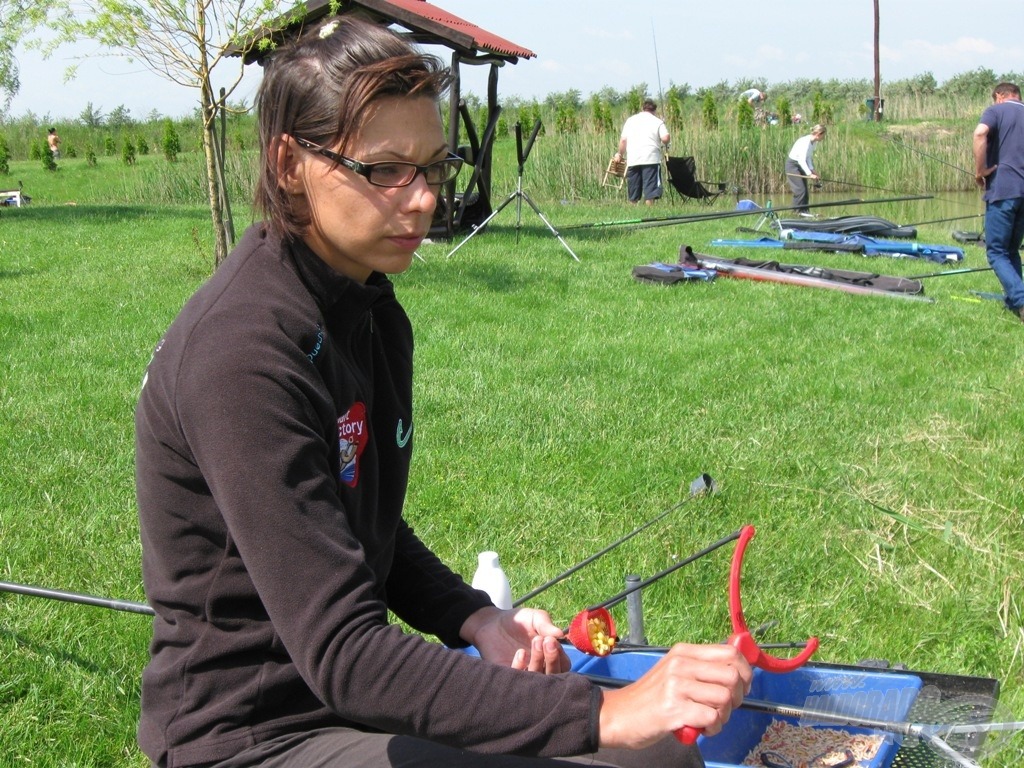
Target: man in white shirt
[(644, 138), (800, 168), (754, 96)]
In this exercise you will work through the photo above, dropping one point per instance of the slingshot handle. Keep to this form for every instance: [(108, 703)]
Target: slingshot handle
[(741, 638)]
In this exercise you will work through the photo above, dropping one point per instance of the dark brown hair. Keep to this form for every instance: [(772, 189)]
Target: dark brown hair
[(319, 87), (1006, 89)]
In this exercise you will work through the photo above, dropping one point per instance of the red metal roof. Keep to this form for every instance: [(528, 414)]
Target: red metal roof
[(427, 23), (482, 39)]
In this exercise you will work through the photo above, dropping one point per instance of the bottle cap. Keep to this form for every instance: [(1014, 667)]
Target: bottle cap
[(488, 559)]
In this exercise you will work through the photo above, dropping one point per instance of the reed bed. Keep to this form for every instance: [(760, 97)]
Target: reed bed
[(898, 159)]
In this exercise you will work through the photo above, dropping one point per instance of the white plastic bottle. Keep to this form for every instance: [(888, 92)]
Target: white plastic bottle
[(492, 579)]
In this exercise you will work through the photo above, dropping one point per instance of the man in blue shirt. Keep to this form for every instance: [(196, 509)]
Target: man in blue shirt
[(999, 170)]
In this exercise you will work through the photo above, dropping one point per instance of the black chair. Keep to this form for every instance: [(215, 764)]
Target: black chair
[(682, 175)]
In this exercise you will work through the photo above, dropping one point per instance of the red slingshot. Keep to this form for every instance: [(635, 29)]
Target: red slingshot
[(741, 637)]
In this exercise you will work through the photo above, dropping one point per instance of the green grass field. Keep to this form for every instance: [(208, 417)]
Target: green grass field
[(875, 443)]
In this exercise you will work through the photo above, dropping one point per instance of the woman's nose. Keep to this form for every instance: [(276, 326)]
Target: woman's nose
[(420, 195)]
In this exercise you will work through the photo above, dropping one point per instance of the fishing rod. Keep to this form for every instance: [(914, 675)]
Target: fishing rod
[(701, 484), (697, 217), (710, 216), (616, 599), (846, 183), (949, 272), (943, 221), (657, 67), (930, 733), (76, 597), (900, 143), (764, 211)]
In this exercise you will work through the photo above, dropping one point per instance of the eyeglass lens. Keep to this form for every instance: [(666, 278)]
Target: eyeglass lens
[(401, 174)]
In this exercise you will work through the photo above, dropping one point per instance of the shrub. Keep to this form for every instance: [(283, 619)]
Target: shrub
[(142, 145), (785, 111), (5, 156), (635, 98), (601, 114), (674, 109), (709, 111), (565, 119), (128, 151), (170, 144), (823, 111), (49, 164), (109, 147), (745, 115), (90, 156)]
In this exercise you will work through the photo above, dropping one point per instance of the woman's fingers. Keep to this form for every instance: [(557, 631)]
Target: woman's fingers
[(545, 655), (694, 685)]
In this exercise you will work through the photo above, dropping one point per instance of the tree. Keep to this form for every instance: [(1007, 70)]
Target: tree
[(170, 144), (745, 114), (17, 19), (49, 163), (91, 117), (709, 111), (128, 151), (785, 111), (673, 109), (183, 41), (5, 156), (119, 117)]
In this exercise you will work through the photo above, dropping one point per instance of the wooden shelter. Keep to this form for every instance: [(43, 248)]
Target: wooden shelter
[(426, 24)]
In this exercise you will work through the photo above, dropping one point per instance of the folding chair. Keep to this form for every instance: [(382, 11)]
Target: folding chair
[(14, 198), (682, 175), (616, 170)]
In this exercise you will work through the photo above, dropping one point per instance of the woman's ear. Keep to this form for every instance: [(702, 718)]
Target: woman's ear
[(288, 163)]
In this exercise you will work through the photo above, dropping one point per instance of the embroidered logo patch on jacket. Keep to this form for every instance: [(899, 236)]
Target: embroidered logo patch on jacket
[(353, 433)]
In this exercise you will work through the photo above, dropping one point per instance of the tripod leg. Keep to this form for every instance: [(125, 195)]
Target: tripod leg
[(479, 227), (554, 231)]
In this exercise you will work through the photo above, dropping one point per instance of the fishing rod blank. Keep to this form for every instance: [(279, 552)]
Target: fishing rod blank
[(942, 221), (710, 216), (75, 597), (794, 208), (699, 485), (697, 217), (900, 143), (845, 183), (929, 733), (613, 601), (949, 272)]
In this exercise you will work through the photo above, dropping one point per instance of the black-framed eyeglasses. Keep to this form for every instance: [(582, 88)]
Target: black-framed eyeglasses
[(392, 173)]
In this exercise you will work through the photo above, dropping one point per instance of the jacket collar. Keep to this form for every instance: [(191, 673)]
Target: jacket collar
[(329, 287)]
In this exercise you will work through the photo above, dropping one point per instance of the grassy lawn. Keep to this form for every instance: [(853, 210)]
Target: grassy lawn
[(875, 443)]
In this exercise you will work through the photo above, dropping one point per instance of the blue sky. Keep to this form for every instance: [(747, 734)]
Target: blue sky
[(589, 44)]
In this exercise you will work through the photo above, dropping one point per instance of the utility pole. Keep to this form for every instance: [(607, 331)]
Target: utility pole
[(878, 76)]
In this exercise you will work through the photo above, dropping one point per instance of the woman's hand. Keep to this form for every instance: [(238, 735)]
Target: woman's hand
[(695, 685), (523, 638)]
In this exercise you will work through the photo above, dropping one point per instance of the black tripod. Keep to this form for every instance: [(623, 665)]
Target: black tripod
[(519, 195)]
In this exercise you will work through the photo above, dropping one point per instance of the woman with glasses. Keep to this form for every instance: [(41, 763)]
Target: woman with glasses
[(274, 433)]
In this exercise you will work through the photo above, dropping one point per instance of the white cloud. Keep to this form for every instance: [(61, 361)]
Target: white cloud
[(550, 65), (601, 33), (772, 53)]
